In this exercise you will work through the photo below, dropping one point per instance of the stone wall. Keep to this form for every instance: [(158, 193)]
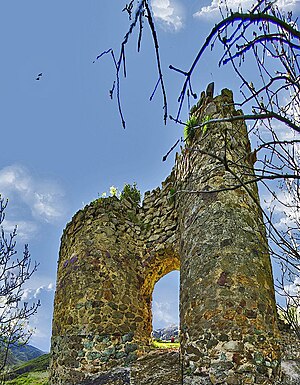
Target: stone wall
[(228, 314), (112, 254), (290, 358)]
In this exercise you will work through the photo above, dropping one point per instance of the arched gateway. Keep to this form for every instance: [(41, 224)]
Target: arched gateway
[(112, 254)]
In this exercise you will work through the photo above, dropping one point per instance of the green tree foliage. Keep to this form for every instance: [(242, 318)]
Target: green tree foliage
[(131, 192)]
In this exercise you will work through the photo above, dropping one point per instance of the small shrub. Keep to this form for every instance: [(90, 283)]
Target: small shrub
[(189, 129), (131, 192), (171, 195), (205, 127)]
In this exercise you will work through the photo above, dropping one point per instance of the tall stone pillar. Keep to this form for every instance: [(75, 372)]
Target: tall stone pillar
[(227, 305), (99, 307)]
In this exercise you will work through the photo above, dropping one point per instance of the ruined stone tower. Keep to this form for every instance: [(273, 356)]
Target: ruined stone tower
[(205, 221)]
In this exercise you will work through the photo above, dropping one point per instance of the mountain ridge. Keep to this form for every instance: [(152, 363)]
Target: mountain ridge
[(166, 333), (19, 354)]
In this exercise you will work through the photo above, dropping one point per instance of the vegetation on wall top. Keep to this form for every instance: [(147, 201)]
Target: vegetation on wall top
[(129, 192)]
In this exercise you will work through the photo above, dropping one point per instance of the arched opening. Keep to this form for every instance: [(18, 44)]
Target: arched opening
[(165, 311), (158, 266)]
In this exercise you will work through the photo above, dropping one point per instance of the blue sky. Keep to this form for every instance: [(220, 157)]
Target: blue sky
[(62, 141)]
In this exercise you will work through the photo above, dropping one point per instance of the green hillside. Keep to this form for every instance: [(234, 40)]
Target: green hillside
[(33, 372)]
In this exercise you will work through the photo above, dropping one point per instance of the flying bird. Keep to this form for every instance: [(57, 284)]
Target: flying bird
[(39, 76)]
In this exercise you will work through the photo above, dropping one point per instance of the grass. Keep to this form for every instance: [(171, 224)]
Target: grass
[(40, 363), (33, 372), (165, 345), (32, 378)]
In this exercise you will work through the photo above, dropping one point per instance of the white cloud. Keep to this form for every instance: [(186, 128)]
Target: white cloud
[(284, 210), (165, 313), (41, 321), (212, 11), (293, 288), (35, 293), (51, 286), (169, 13), (25, 229), (288, 5), (43, 198), (45, 204)]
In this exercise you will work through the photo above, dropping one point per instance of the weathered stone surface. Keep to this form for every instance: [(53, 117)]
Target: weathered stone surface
[(157, 368), (290, 364), (114, 377), (113, 253), (290, 372)]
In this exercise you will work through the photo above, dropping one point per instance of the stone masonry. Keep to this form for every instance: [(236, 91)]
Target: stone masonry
[(113, 252)]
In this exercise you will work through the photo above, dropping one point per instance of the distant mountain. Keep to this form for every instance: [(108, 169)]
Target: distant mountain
[(165, 334), (25, 352), (22, 353)]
